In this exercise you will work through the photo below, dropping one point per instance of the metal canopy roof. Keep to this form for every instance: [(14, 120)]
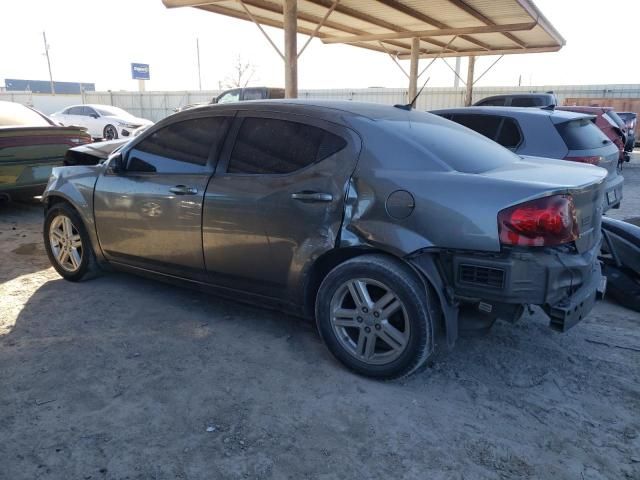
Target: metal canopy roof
[(445, 28)]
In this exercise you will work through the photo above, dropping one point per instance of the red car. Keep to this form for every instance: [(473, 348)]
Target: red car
[(608, 121)]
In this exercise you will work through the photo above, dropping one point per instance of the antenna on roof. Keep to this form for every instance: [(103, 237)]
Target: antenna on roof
[(412, 104)]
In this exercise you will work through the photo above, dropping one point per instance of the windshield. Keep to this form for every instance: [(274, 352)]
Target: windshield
[(14, 114), (581, 134), (108, 111)]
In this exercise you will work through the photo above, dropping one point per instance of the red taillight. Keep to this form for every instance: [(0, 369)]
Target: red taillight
[(542, 222), (595, 160)]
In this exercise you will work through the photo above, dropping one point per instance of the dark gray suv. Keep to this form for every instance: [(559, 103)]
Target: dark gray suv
[(380, 223)]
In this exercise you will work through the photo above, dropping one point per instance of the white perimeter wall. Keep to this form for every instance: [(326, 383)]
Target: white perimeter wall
[(157, 105)]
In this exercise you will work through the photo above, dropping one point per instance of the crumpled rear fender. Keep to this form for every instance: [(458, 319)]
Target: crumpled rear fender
[(416, 250)]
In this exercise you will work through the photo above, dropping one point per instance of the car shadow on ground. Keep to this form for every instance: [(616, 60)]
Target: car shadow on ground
[(21, 243), (123, 374)]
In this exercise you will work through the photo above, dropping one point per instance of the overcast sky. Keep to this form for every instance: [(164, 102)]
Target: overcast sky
[(93, 41)]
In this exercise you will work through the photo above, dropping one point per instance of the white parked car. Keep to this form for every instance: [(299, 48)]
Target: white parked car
[(102, 121)]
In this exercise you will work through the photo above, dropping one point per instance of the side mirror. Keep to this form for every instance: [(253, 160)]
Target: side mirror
[(116, 164), (94, 115)]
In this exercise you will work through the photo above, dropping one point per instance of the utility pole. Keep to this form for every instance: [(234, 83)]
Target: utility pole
[(46, 52), (198, 54)]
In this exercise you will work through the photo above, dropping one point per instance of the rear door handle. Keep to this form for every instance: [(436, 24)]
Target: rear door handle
[(311, 197), (183, 190)]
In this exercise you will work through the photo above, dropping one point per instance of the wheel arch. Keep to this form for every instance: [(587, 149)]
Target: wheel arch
[(52, 199), (332, 258)]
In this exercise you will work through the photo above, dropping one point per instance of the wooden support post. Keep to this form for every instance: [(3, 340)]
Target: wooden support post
[(469, 97), (413, 68), (290, 48)]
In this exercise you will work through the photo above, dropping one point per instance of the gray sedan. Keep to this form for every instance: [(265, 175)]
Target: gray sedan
[(386, 226)]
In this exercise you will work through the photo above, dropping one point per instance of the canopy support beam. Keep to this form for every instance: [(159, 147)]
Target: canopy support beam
[(470, 71), (413, 68), (290, 13)]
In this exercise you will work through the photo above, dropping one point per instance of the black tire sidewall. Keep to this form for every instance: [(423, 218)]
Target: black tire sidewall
[(87, 251), (402, 280), (104, 132)]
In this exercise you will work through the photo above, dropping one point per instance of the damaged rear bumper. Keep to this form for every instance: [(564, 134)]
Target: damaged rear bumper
[(563, 282)]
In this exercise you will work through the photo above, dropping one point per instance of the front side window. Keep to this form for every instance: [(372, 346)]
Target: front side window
[(75, 111), (182, 147), (230, 97), (271, 146)]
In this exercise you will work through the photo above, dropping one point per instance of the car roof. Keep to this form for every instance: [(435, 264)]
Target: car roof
[(372, 111), (558, 116), (502, 95)]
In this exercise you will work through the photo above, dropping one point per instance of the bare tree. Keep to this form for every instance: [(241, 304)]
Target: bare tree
[(241, 74)]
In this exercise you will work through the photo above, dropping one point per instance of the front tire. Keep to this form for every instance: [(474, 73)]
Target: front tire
[(67, 244), (110, 133), (373, 314)]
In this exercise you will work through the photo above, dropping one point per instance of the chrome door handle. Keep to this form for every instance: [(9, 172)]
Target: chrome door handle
[(312, 197), (183, 190)]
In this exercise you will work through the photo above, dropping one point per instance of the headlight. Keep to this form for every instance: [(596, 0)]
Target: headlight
[(127, 125)]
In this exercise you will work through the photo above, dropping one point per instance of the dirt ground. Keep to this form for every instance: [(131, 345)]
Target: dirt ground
[(125, 378)]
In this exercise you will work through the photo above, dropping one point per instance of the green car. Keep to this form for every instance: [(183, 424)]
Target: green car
[(30, 146)]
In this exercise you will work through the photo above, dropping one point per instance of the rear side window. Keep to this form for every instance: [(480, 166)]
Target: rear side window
[(179, 147), (271, 146), (509, 135), (581, 134), (525, 102), (486, 125)]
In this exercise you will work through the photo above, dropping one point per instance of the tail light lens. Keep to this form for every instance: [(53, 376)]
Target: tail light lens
[(542, 222), (595, 160)]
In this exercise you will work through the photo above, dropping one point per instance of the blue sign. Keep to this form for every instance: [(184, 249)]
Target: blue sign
[(140, 71)]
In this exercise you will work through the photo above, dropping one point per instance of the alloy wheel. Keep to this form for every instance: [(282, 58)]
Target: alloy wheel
[(66, 243), (370, 321)]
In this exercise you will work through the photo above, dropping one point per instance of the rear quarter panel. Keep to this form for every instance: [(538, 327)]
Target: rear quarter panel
[(27, 155)]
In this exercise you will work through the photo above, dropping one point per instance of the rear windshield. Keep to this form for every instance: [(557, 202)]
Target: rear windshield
[(14, 114), (581, 134), (460, 148), (616, 118)]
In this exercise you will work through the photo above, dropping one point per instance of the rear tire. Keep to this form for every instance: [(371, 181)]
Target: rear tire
[(373, 315), (68, 245)]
